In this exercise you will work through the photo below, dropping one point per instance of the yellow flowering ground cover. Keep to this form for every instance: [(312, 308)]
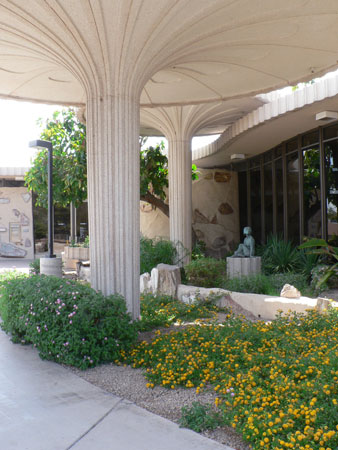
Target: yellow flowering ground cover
[(276, 383)]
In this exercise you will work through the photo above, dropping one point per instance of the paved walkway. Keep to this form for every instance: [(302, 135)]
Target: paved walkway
[(46, 407), (22, 265)]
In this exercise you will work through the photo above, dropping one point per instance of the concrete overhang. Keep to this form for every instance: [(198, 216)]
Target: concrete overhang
[(179, 52), (284, 117), (13, 172)]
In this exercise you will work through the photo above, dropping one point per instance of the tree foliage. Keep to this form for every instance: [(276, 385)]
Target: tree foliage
[(68, 137)]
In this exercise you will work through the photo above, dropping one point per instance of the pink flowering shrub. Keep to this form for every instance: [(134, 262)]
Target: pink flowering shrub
[(66, 321)]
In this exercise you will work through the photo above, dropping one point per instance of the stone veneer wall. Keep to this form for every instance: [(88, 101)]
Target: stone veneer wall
[(215, 212), (16, 223)]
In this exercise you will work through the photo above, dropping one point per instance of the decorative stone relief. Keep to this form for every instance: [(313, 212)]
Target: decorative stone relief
[(11, 251), (24, 219), (199, 217), (28, 242), (222, 177), (225, 208), (218, 241), (214, 220), (26, 197), (199, 234)]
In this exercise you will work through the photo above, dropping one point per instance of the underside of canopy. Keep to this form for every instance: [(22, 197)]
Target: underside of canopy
[(182, 52)]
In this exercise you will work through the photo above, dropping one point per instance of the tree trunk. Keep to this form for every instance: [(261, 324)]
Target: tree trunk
[(150, 198)]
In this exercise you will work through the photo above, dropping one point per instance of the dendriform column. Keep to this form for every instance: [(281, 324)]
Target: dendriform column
[(178, 124), (180, 194), (114, 195)]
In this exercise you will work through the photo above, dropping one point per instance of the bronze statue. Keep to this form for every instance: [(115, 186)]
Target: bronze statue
[(247, 249)]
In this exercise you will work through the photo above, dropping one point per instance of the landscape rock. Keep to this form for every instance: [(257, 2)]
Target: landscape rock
[(145, 283), (165, 278), (290, 291)]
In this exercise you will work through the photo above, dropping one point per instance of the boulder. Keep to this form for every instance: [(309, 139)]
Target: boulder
[(145, 283), (290, 291), (165, 279)]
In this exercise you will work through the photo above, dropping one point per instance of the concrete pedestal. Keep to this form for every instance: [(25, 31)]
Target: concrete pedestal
[(51, 266), (239, 267)]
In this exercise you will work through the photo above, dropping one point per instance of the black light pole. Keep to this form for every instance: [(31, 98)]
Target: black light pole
[(48, 145)]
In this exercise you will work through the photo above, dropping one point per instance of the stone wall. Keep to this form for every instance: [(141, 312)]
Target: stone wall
[(215, 212), (16, 223)]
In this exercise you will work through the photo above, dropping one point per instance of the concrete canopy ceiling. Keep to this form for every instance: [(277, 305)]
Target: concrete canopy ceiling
[(178, 51)]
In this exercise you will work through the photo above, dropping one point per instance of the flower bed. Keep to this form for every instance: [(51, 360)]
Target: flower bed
[(277, 382)]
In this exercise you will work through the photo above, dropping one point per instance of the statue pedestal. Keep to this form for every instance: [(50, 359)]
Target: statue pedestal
[(240, 267)]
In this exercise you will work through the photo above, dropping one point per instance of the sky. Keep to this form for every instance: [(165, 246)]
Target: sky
[(18, 126)]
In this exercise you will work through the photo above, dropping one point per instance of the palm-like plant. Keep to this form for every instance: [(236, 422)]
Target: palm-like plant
[(322, 248), (279, 255)]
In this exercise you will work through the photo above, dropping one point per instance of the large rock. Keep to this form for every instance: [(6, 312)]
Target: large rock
[(290, 291), (165, 279), (145, 283)]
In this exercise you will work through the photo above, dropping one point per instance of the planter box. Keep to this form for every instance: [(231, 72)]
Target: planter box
[(72, 255)]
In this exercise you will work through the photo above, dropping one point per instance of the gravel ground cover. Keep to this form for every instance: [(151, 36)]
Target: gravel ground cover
[(129, 383)]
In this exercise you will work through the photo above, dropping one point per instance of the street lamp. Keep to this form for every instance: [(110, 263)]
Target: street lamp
[(48, 145)]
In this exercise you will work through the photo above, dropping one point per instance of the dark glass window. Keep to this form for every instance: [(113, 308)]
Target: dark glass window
[(278, 151), (255, 180), (255, 162), (331, 157), (243, 200), (312, 202), (5, 182), (279, 196), (292, 146), (268, 156), (330, 132), (268, 199), (310, 138), (293, 196)]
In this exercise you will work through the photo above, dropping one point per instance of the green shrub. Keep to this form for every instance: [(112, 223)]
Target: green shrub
[(199, 417), (279, 256), (163, 310), (67, 322), (298, 280), (269, 284), (34, 267), (255, 284), (198, 250), (206, 272), (154, 252), (307, 262)]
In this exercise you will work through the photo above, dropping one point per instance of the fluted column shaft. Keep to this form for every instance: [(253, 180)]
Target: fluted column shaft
[(180, 197), (114, 195)]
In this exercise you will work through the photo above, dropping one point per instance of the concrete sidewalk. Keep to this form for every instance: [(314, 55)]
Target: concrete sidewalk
[(46, 407), (19, 264)]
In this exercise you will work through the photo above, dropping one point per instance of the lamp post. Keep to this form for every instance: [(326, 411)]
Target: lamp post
[(39, 144)]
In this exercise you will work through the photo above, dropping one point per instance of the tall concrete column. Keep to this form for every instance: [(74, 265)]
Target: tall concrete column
[(178, 124), (180, 196), (114, 195)]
